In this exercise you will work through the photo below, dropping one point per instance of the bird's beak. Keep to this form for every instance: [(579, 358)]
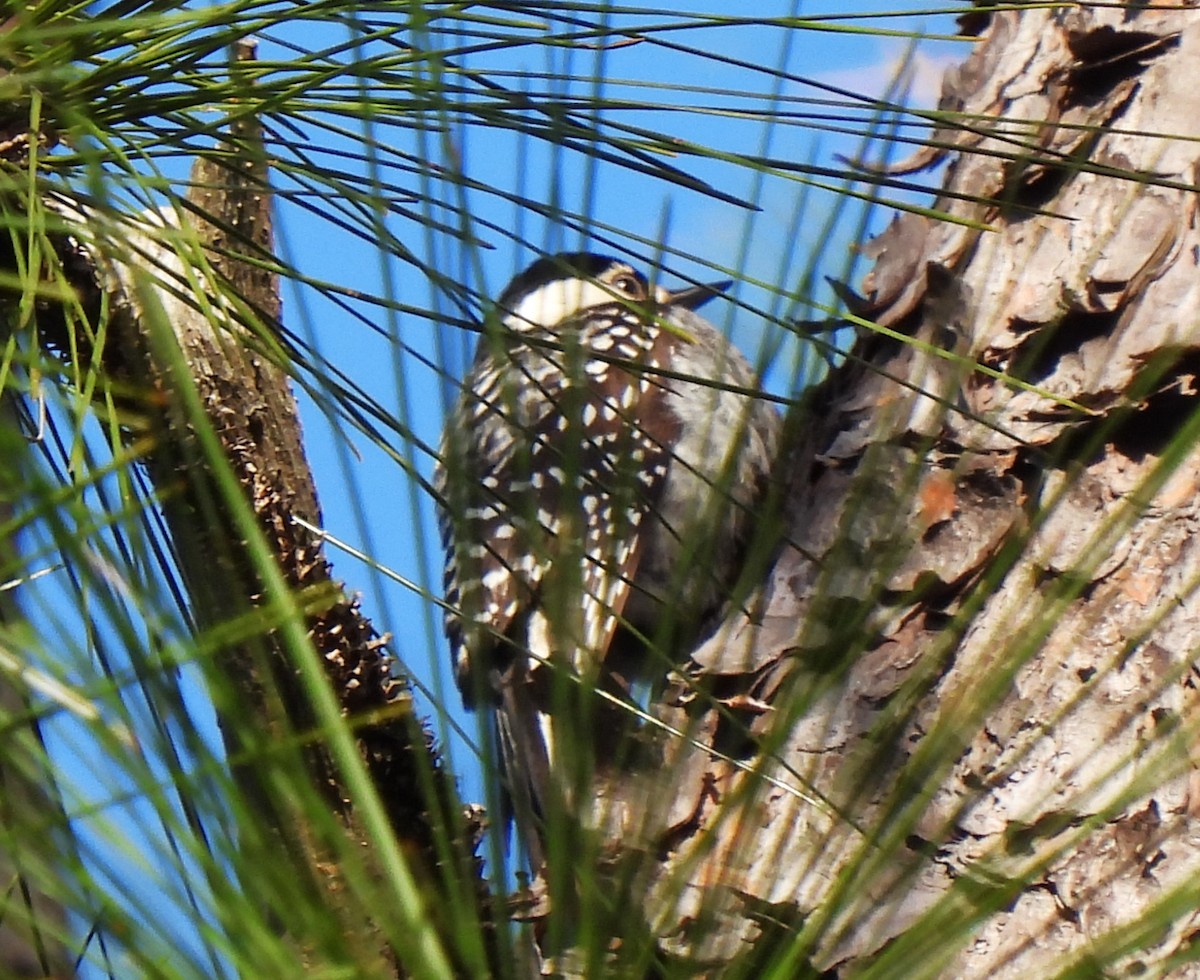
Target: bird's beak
[(695, 297)]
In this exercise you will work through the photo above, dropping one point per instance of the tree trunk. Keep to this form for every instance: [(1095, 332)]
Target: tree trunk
[(196, 330), (970, 693)]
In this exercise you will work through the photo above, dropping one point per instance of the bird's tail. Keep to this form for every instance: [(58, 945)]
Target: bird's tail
[(525, 738)]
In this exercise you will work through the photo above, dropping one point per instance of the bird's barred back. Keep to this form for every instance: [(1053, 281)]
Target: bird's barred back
[(585, 482)]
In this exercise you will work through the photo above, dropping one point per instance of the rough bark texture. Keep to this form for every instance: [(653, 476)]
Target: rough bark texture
[(978, 646)]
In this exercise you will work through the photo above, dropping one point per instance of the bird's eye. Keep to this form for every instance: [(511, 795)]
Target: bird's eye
[(628, 285)]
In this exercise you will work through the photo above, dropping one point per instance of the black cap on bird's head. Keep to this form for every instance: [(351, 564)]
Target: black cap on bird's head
[(553, 268), (556, 287)]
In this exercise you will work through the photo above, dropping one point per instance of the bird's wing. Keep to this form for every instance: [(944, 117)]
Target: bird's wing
[(489, 515), (626, 456), (543, 534), (561, 481)]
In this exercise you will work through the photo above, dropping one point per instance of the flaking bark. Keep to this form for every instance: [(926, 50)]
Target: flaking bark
[(971, 688)]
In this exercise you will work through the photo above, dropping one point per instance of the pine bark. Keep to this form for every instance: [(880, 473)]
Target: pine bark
[(969, 691)]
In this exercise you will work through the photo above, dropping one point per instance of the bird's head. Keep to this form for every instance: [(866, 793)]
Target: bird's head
[(557, 288)]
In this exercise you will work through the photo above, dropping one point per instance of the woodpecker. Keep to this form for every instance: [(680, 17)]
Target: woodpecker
[(598, 477)]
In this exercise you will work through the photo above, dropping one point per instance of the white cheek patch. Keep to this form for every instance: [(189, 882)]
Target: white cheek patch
[(554, 302)]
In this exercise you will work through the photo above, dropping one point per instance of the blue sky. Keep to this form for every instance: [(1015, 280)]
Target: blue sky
[(367, 497)]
